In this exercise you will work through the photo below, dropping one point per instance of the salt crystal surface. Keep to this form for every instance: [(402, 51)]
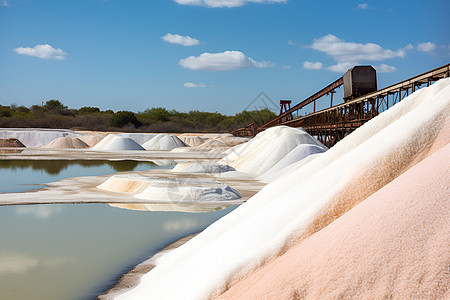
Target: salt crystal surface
[(139, 138), (35, 137), (164, 142), (267, 149), (192, 141), (112, 142), (303, 202), (298, 153), (392, 245), (66, 142), (202, 168)]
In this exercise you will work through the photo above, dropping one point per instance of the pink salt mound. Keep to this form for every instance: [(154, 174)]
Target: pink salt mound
[(10, 143), (394, 244)]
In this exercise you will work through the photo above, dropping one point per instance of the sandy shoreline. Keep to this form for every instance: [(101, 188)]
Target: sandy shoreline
[(131, 278)]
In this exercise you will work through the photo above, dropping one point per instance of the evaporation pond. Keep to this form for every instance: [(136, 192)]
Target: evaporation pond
[(78, 251), (26, 175)]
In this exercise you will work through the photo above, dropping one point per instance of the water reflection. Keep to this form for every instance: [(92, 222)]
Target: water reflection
[(54, 167), (79, 251)]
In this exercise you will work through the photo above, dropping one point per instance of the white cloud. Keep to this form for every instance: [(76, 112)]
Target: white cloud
[(224, 61), (383, 68), (409, 47), (193, 85), (348, 54), (362, 6), (285, 67), (343, 51), (180, 40), (225, 3), (426, 47), (39, 211), (4, 3), (42, 51), (341, 67), (312, 65)]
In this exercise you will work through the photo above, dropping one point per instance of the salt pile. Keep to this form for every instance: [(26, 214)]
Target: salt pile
[(202, 168), (35, 137), (168, 190), (232, 140), (190, 194), (298, 153), (267, 149), (164, 142), (90, 139), (214, 145), (392, 245), (66, 142), (304, 201), (10, 143), (112, 142), (139, 138), (192, 141)]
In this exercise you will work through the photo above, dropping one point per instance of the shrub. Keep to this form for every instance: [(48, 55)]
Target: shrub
[(122, 118)]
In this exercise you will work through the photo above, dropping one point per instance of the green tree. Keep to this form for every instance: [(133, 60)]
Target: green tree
[(122, 118), (54, 105)]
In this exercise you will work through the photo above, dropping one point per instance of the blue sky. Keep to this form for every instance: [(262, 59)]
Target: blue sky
[(211, 55)]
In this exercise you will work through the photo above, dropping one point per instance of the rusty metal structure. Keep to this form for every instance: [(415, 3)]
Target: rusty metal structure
[(332, 124)]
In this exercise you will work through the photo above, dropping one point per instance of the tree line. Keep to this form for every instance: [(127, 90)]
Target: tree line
[(54, 114)]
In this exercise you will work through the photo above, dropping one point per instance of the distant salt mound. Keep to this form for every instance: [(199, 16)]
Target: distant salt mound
[(35, 137), (192, 141), (140, 138), (301, 203), (113, 142), (214, 145), (393, 245), (90, 139), (232, 140), (66, 142), (298, 153), (268, 148), (164, 142), (202, 168), (10, 143)]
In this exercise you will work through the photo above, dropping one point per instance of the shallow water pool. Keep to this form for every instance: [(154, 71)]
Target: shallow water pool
[(78, 251), (27, 175)]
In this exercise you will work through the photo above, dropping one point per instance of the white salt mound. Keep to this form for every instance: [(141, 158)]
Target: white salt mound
[(202, 168), (190, 194), (112, 142), (192, 141), (172, 190), (35, 137), (269, 177), (90, 139), (304, 201), (267, 149), (66, 143), (298, 153), (164, 142), (213, 145), (232, 140), (139, 138)]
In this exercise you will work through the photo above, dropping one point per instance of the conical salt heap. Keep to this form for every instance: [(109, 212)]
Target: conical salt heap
[(301, 203), (392, 245), (66, 142)]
